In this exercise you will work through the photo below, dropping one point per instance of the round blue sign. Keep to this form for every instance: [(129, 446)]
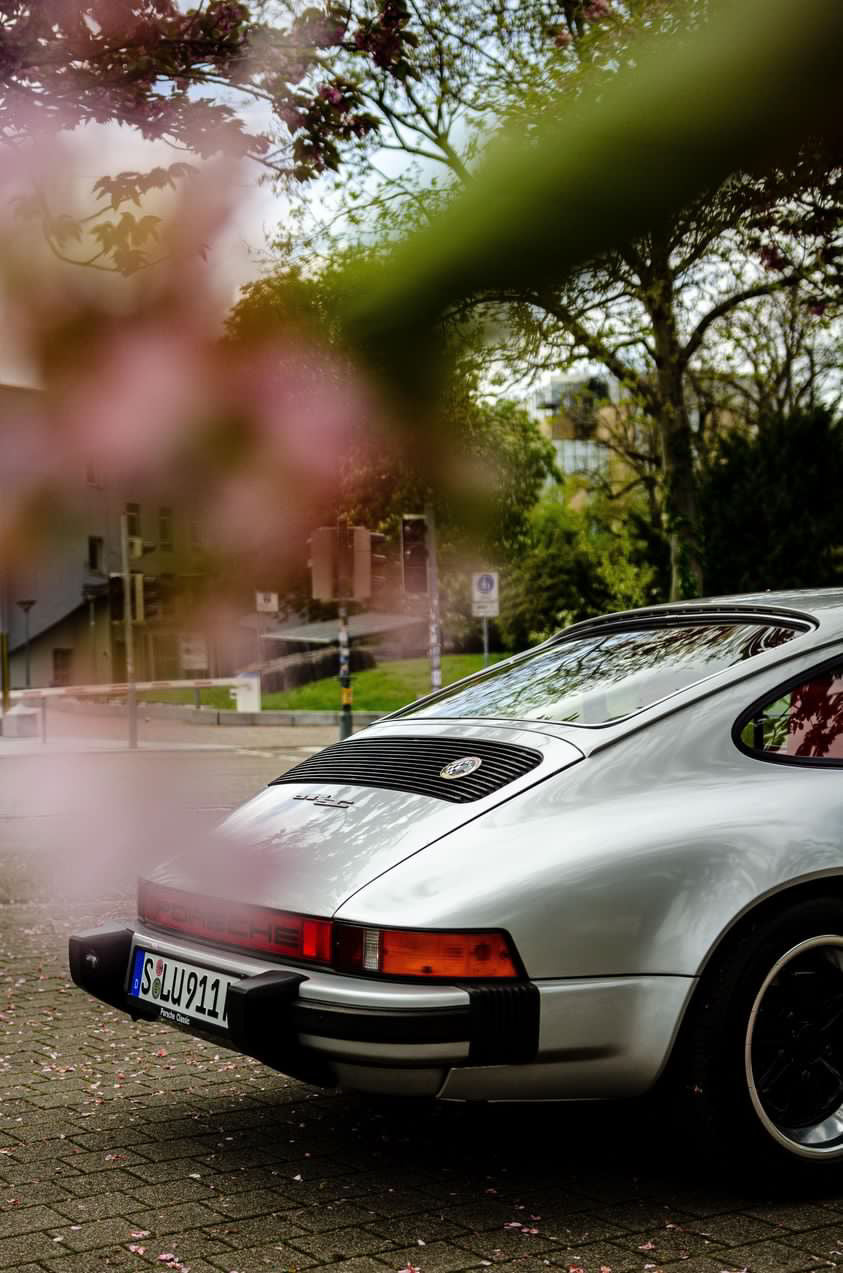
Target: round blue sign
[(486, 583)]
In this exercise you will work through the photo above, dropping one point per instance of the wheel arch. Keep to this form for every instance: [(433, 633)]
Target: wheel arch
[(827, 886)]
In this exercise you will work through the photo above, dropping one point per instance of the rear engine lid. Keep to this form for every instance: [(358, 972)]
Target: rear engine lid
[(344, 816)]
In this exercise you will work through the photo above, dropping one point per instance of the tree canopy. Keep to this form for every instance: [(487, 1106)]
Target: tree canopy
[(181, 77), (770, 506), (662, 167), (497, 459)]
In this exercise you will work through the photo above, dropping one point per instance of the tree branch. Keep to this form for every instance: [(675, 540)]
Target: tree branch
[(726, 306), (597, 349)]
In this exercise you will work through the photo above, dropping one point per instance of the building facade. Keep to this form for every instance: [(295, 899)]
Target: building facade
[(64, 610), (578, 415)]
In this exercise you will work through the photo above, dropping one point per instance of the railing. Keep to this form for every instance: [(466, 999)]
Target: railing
[(247, 689)]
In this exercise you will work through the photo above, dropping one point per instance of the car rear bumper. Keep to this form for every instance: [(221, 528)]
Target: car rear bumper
[(561, 1039)]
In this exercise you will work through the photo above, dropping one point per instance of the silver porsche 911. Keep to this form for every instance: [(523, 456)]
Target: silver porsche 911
[(615, 857)]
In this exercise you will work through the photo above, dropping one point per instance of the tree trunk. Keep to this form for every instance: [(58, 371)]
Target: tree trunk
[(674, 429)]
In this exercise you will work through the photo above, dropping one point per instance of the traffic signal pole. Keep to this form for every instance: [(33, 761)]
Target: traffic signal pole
[(345, 676), (433, 583), (126, 570), (345, 565)]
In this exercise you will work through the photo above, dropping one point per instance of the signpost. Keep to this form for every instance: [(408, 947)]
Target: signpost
[(266, 602), (26, 606), (485, 603), (127, 548), (193, 654)]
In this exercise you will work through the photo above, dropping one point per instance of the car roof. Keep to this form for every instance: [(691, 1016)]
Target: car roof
[(819, 606)]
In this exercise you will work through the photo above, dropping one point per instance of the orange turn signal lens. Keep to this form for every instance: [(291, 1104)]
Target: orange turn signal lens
[(397, 952), (405, 954)]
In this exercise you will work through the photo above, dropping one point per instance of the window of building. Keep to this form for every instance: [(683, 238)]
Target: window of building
[(804, 723), (165, 529), (62, 667), (133, 520), (574, 456), (96, 554)]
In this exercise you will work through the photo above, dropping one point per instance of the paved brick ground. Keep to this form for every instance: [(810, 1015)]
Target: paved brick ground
[(124, 1147)]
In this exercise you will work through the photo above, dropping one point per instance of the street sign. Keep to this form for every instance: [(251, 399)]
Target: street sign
[(485, 597), (193, 652), (266, 602)]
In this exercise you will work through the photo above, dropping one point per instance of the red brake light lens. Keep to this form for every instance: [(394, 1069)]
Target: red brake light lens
[(252, 928)]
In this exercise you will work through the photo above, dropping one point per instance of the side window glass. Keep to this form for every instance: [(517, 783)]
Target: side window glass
[(806, 723)]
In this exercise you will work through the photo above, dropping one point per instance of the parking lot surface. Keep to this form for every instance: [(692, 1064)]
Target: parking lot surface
[(124, 1147)]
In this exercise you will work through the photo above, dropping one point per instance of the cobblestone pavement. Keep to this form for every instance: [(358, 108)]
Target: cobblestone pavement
[(124, 1147)]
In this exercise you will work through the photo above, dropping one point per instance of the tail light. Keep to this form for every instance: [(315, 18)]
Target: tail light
[(252, 928), (397, 952), (351, 948)]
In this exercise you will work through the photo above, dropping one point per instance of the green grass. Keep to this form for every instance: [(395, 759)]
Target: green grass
[(379, 689), (216, 698)]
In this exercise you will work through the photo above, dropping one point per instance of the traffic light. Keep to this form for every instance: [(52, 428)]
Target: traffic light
[(323, 554), (377, 564), (152, 601), (136, 594), (115, 598), (344, 565), (362, 576), (414, 554), (345, 576)]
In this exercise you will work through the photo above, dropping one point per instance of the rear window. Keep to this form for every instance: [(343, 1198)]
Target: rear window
[(596, 678)]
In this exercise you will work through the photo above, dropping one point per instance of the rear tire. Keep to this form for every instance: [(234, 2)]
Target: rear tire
[(761, 1056)]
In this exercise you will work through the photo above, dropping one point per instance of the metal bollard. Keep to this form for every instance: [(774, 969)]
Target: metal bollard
[(133, 717)]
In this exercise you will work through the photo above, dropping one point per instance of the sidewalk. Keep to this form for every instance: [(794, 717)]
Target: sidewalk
[(65, 745), (71, 733)]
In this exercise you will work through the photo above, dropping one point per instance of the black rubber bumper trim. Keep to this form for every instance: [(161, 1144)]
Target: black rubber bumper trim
[(365, 1025), (259, 1016), (504, 1024), (99, 964)]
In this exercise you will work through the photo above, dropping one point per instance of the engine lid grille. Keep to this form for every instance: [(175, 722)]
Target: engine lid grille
[(415, 765)]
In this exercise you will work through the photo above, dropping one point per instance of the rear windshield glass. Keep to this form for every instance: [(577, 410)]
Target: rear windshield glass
[(596, 678)]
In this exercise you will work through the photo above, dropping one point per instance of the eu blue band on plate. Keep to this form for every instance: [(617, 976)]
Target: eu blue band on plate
[(137, 972)]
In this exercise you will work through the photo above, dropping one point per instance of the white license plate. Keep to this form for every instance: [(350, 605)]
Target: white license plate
[(187, 994)]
